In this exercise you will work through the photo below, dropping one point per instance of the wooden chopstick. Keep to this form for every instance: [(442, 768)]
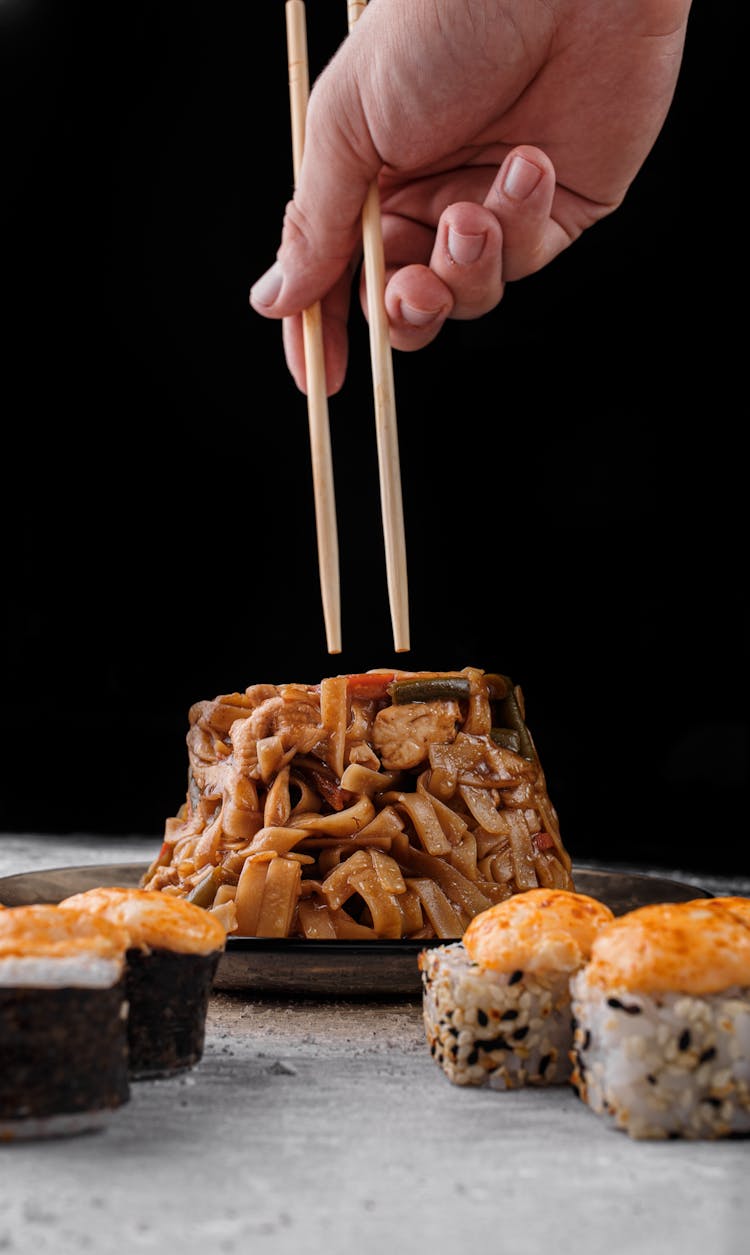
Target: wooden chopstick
[(391, 503), (312, 330)]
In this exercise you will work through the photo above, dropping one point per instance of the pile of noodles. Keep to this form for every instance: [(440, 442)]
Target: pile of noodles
[(388, 804)]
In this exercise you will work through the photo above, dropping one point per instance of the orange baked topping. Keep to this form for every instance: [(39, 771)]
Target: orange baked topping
[(153, 920), (695, 947), (539, 930), (47, 931)]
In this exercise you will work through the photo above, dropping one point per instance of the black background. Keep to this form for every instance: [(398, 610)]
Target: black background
[(572, 464)]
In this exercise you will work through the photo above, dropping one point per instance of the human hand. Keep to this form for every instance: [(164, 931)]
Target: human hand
[(498, 133)]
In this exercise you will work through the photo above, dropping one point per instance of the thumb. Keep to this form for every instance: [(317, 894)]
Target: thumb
[(322, 224)]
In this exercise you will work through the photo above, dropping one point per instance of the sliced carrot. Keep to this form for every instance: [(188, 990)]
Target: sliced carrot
[(369, 686)]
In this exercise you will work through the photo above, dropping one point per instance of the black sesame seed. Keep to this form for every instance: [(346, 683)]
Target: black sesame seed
[(544, 1063), (433, 1048), (621, 1006), (520, 1033), (713, 1102), (586, 1040), (709, 1053), (684, 1040), (482, 1018), (509, 1015), (493, 1043), (573, 1024), (515, 977), (651, 1078), (472, 1057), (453, 1030)]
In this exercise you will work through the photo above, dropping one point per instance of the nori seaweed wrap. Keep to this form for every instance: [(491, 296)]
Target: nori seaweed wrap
[(174, 949), (63, 1034)]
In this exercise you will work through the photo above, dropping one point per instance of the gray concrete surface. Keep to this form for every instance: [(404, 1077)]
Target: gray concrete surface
[(314, 1126)]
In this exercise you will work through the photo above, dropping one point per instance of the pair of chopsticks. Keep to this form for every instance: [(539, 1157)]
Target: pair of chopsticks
[(382, 379)]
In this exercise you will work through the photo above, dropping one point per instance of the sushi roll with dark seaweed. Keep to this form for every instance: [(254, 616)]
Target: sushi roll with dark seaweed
[(662, 1010), (496, 1005), (173, 952), (63, 1008)]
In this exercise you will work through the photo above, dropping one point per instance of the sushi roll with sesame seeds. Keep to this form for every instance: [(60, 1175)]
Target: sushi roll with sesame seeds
[(496, 1004), (174, 948), (662, 1009), (63, 1008)]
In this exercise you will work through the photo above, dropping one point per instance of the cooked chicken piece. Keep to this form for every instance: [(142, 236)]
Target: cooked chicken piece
[(401, 734)]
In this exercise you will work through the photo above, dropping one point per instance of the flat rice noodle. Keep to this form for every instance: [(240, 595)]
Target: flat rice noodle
[(490, 842), (348, 929), (386, 823), (360, 841), (478, 719), (550, 825), (271, 753), (482, 807), (497, 865), (225, 893), (341, 823), (388, 872), (461, 891), (524, 869), (309, 800), (464, 857), (249, 895), (207, 847), (364, 780), (550, 872), (410, 906), (336, 887), (333, 717), (315, 920), (452, 824), (280, 895), (276, 837), (445, 919), (238, 823), (278, 805), (309, 888), (522, 795), (226, 914), (533, 822), (421, 812), (387, 919)]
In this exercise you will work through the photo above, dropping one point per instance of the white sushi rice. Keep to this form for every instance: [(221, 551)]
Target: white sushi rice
[(663, 1065), (502, 1029), (82, 971)]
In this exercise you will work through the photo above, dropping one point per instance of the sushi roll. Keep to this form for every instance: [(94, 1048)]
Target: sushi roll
[(662, 1021), (63, 1008), (496, 1004), (173, 952)]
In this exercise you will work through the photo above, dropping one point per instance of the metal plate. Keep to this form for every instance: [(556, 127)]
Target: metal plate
[(331, 969)]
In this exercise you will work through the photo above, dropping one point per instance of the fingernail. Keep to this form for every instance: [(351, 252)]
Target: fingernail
[(267, 288), (464, 248), (418, 317), (521, 178)]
